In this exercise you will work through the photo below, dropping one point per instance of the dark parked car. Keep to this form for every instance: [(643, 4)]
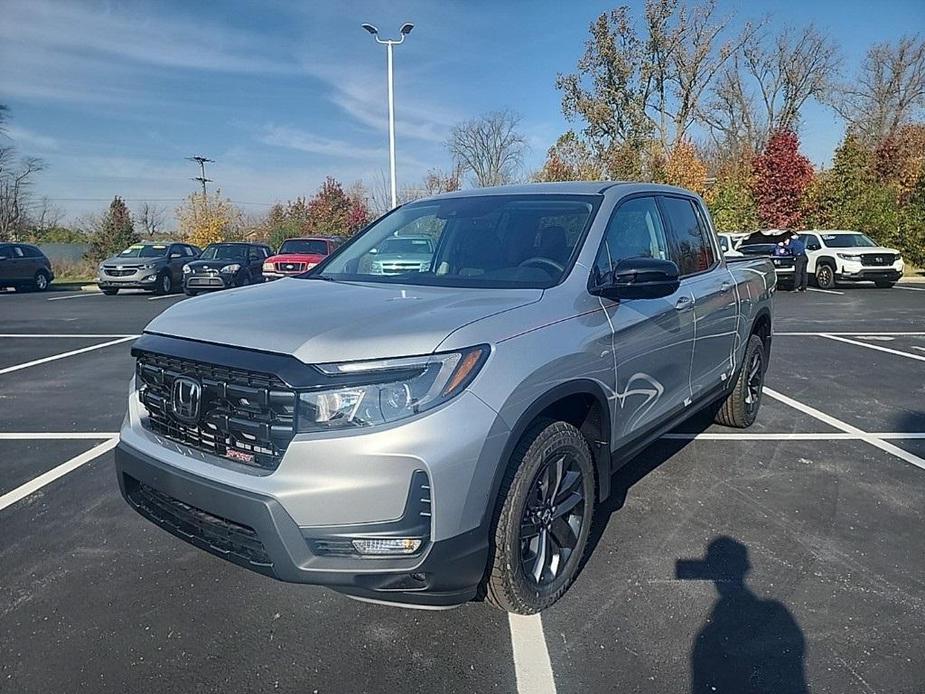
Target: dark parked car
[(224, 265), (23, 266), (155, 266)]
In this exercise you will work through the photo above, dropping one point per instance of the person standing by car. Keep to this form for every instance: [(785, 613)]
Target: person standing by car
[(798, 250)]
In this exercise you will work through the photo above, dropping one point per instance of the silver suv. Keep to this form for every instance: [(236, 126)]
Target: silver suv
[(432, 436)]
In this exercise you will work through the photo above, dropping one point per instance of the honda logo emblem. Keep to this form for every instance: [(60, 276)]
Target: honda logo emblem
[(185, 399)]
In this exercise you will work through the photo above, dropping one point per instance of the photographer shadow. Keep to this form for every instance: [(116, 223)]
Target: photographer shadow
[(747, 644)]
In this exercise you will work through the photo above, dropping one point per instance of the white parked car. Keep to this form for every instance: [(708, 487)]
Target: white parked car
[(728, 243), (850, 256)]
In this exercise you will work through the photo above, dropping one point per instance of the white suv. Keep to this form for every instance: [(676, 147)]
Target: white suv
[(850, 256)]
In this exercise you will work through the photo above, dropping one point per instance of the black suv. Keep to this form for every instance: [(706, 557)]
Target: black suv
[(23, 266), (146, 265), (224, 265)]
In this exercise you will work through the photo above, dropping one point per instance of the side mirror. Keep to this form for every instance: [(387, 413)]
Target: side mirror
[(639, 278), (373, 251)]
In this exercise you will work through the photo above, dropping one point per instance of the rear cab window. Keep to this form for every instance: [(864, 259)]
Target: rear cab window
[(691, 239)]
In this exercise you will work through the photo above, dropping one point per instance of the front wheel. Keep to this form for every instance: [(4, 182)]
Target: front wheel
[(740, 409), (543, 520), (163, 284), (884, 285), (109, 291), (825, 277)]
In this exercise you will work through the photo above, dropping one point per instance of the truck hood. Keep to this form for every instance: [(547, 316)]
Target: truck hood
[(296, 258), (318, 321), (118, 261)]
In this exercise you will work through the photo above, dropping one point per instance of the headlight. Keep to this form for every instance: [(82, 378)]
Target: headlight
[(848, 256), (268, 267), (187, 269), (388, 390), (147, 266), (233, 267), (376, 268), (309, 266)]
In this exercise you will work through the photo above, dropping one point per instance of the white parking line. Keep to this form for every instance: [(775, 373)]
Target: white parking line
[(81, 295), (34, 485), (165, 296), (54, 357), (792, 436), (879, 348), (55, 435), (69, 335), (850, 334), (872, 439), (531, 656), (911, 289), (824, 291)]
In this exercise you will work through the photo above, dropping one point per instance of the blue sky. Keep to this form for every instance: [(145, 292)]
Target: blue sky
[(114, 95)]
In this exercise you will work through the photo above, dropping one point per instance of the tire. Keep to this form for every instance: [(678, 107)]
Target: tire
[(825, 276), (108, 291), (164, 284), (41, 281), (884, 285), (190, 292), (550, 452), (740, 408)]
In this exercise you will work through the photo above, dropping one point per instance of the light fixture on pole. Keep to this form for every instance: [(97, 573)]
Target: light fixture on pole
[(388, 43)]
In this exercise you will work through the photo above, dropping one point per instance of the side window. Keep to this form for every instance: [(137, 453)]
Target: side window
[(811, 241), (17, 252), (693, 249), (634, 231), (31, 252)]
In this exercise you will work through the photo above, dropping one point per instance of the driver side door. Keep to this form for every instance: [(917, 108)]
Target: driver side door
[(652, 342)]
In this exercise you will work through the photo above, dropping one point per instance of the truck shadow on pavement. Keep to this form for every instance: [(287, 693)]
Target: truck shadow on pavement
[(747, 644)]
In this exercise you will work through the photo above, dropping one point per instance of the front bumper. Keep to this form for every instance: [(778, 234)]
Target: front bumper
[(204, 281), (140, 280), (255, 531), (858, 273)]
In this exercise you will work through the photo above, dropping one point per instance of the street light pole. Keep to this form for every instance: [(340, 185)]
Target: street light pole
[(389, 43)]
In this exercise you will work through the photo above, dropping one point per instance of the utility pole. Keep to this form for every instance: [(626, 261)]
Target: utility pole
[(202, 161)]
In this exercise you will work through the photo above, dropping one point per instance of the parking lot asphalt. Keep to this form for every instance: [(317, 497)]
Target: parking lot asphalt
[(810, 524)]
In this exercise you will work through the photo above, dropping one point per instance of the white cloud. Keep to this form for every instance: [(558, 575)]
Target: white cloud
[(28, 138), (293, 138)]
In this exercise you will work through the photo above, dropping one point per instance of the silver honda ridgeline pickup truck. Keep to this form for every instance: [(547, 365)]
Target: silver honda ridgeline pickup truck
[(442, 434)]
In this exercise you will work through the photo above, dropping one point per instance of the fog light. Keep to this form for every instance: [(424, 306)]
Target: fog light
[(399, 545)]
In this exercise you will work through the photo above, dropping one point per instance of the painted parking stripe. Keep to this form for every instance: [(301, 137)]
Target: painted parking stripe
[(911, 289), (868, 345), (81, 295), (791, 436), (34, 485), (849, 334), (73, 336), (165, 296), (55, 357), (531, 656), (824, 291), (848, 428), (55, 435)]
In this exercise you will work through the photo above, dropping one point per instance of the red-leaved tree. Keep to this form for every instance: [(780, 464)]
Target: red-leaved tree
[(781, 175), (332, 211)]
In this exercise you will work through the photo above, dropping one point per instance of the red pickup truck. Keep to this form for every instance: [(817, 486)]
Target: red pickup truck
[(295, 256)]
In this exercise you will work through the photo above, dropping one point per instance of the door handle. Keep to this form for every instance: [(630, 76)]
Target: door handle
[(725, 286), (685, 303)]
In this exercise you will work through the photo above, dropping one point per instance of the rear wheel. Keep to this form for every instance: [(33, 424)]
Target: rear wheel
[(884, 285), (109, 291), (740, 409), (825, 276), (544, 518), (41, 281)]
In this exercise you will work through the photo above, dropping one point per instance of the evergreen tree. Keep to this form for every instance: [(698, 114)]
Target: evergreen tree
[(114, 233)]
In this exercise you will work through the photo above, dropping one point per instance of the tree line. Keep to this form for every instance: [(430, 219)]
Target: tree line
[(676, 93)]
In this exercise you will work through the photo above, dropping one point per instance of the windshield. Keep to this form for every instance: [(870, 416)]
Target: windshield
[(224, 251), (305, 246), (405, 246), (144, 250), (480, 241), (847, 241)]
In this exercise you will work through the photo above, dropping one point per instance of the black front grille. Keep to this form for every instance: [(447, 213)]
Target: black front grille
[(120, 272), (218, 535), (245, 416), (877, 259)]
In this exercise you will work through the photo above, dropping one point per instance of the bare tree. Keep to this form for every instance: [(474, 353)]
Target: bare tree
[(767, 84), (150, 217), (16, 178), (888, 92), (489, 147)]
